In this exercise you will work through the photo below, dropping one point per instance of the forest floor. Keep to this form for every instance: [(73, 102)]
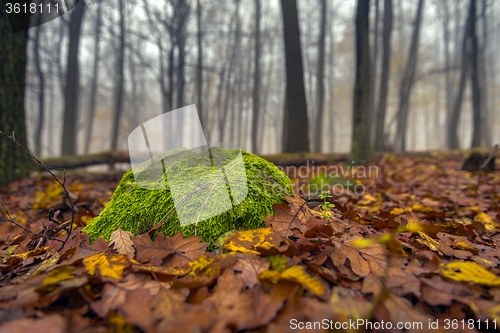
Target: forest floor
[(416, 249)]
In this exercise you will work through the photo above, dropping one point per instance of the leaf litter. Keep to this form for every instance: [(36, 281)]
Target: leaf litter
[(417, 246)]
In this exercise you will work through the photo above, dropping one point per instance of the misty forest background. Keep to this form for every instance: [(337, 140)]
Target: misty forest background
[(95, 74)]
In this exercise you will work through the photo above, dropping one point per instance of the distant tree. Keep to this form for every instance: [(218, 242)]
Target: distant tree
[(360, 143), (41, 87), (384, 76), (199, 67), (256, 82), (295, 122), (320, 87), (407, 83), (452, 121), (72, 87), (14, 162), (373, 109), (95, 74), (119, 79), (477, 98)]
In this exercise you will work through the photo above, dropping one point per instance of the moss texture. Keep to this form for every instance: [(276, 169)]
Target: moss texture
[(137, 209)]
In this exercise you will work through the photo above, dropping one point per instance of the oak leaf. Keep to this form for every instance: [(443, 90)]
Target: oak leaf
[(120, 241)]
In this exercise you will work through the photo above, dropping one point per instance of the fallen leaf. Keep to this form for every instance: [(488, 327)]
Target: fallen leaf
[(469, 271), (120, 240)]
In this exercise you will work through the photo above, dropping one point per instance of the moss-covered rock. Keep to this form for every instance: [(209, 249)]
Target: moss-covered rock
[(140, 202)]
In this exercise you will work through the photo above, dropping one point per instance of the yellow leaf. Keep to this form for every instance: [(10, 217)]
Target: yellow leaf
[(469, 271), (398, 211), (422, 209), (244, 241), (271, 275), (366, 200), (364, 242), (295, 274), (487, 221), (59, 274), (31, 253), (112, 267)]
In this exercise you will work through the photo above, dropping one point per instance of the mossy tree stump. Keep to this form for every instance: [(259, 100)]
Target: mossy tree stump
[(137, 208)]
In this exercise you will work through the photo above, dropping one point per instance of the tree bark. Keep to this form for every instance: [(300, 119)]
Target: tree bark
[(256, 82), (320, 86), (452, 136), (384, 76), (199, 68), (118, 95), (295, 122), (182, 13), (360, 146), (234, 54), (14, 162), (95, 76), (373, 109), (72, 87), (41, 89), (477, 100), (407, 84)]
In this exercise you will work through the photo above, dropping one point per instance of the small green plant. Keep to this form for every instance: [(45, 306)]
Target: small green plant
[(326, 204)]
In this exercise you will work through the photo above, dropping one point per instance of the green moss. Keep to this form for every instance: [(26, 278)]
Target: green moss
[(138, 208)]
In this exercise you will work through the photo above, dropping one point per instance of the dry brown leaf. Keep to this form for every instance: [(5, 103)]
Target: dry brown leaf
[(120, 241)]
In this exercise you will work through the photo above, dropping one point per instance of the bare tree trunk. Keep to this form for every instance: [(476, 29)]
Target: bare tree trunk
[(477, 101), (331, 110), (384, 76), (199, 68), (320, 87), (256, 82), (234, 55), (295, 123), (407, 84), (119, 79), (72, 87), (452, 136), (360, 144), (483, 81), (181, 18), (373, 109), (446, 41), (95, 74), (41, 89)]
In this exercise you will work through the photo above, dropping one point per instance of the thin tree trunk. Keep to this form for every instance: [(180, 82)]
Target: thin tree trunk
[(384, 76), (120, 61), (320, 87), (477, 101), (95, 74), (446, 41), (41, 89), (256, 82), (452, 135), (360, 144), (199, 68), (72, 87), (407, 84), (234, 54), (373, 109), (182, 14), (295, 122), (483, 81)]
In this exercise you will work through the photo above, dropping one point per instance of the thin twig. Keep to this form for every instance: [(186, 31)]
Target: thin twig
[(485, 163), (47, 168)]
